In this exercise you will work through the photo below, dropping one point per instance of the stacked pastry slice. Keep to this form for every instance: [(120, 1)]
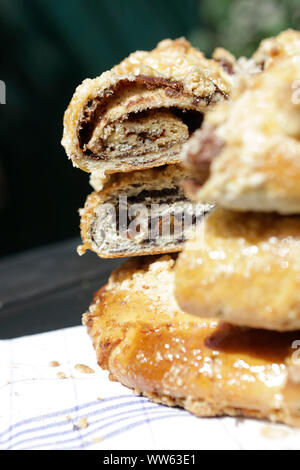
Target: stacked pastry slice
[(243, 265), (157, 325), (130, 120), (138, 114), (247, 257), (140, 212)]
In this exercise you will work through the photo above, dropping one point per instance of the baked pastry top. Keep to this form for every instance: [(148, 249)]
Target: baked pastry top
[(210, 368), (243, 268), (249, 147), (138, 114), (270, 50), (140, 212)]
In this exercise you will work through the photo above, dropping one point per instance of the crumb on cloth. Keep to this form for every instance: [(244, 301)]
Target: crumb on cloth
[(54, 364), (274, 432), (61, 375), (98, 439), (82, 423), (84, 369)]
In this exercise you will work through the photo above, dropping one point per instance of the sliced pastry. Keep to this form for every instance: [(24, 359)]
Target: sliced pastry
[(243, 268), (248, 149), (140, 212), (138, 114)]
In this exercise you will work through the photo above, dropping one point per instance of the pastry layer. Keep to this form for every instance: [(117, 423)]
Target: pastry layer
[(250, 145), (142, 212), (138, 114), (243, 268), (210, 368)]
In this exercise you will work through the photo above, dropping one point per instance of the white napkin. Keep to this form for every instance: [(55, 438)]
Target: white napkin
[(39, 410)]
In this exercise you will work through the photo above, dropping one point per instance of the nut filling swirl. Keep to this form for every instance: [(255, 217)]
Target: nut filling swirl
[(139, 114)]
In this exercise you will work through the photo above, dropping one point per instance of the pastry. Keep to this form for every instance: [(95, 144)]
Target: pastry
[(248, 150), (243, 268), (207, 367), (138, 114), (140, 212)]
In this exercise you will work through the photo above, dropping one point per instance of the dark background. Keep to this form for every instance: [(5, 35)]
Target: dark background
[(48, 47)]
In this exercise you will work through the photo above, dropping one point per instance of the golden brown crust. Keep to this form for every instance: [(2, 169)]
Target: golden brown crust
[(147, 343), (161, 177), (270, 50), (257, 167), (243, 268), (174, 74), (99, 229)]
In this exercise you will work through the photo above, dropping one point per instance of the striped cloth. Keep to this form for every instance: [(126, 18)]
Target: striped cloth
[(46, 407)]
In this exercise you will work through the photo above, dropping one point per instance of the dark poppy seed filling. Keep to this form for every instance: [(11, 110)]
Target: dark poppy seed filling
[(138, 133), (149, 219)]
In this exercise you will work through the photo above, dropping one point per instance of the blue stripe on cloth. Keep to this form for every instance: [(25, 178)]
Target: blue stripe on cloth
[(160, 410), (72, 431), (66, 411)]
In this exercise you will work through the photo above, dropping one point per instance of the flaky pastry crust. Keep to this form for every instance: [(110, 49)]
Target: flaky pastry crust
[(148, 344), (128, 119), (252, 142), (158, 191), (243, 268)]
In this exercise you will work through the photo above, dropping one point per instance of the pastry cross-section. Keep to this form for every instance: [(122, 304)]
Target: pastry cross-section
[(138, 114), (141, 212)]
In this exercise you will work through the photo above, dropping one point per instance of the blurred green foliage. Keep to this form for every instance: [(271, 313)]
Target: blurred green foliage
[(239, 25)]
